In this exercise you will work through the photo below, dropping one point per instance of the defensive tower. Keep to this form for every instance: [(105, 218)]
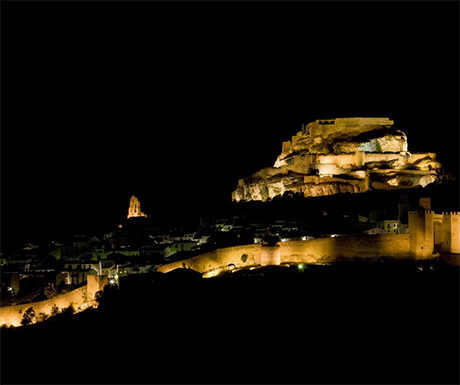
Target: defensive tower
[(421, 233), (450, 238)]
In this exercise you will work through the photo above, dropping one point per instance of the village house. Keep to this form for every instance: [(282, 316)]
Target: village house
[(159, 251), (390, 225), (182, 245)]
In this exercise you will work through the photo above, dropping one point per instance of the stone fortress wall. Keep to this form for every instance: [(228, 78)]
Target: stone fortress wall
[(347, 156), (429, 235), (320, 130), (216, 261), (346, 248), (316, 251), (346, 162), (431, 232), (326, 127), (80, 299), (361, 158)]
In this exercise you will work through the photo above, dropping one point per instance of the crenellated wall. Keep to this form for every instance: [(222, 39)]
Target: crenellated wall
[(216, 261), (421, 230), (451, 232), (80, 299), (346, 248), (428, 229), (418, 244), (321, 250)]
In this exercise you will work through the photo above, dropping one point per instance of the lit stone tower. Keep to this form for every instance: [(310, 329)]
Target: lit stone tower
[(425, 203), (451, 232), (421, 233), (270, 255), (135, 208)]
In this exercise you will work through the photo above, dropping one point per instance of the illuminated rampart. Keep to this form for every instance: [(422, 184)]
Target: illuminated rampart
[(346, 248), (214, 262), (80, 299), (316, 251)]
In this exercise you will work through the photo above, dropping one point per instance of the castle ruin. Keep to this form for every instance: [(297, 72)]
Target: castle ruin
[(134, 210), (342, 155)]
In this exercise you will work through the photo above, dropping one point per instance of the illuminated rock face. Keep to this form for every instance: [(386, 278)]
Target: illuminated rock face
[(341, 155), (135, 208)]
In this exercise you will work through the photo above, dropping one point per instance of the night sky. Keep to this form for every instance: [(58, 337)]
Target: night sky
[(174, 102)]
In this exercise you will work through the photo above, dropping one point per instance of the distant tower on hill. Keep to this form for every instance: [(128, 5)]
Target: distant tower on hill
[(425, 203), (135, 208)]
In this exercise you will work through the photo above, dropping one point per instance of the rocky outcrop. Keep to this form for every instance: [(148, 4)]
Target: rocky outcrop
[(391, 141), (345, 155)]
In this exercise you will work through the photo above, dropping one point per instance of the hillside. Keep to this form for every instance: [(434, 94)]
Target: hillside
[(390, 323)]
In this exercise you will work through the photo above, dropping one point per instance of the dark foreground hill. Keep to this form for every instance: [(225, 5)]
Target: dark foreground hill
[(373, 323)]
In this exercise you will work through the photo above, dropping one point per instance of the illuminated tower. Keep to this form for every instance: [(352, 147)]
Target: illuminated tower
[(421, 233), (135, 208), (451, 232), (425, 203)]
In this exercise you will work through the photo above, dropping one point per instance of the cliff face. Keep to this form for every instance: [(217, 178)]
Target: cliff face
[(341, 155)]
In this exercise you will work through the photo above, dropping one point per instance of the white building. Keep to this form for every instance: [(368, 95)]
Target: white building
[(390, 225)]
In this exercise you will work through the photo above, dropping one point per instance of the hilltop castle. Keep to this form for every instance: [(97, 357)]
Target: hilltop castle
[(341, 155)]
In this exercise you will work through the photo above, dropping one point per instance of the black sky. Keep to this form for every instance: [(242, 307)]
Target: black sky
[(173, 102)]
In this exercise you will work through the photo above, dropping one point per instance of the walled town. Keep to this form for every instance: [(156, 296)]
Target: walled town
[(344, 155), (358, 259), (53, 277)]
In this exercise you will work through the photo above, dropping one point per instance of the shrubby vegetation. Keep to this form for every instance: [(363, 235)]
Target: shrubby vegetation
[(30, 317)]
